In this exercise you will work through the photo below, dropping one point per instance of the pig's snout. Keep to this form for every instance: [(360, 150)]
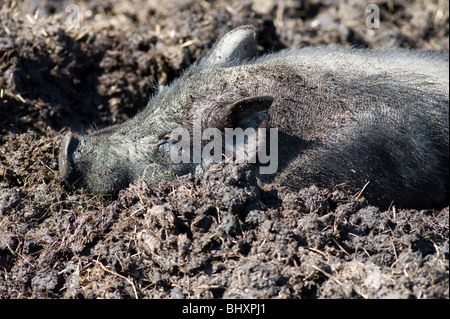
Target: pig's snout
[(66, 164)]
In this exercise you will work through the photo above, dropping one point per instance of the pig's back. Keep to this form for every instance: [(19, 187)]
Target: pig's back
[(357, 116)]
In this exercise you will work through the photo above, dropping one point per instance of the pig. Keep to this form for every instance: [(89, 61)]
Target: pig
[(373, 122)]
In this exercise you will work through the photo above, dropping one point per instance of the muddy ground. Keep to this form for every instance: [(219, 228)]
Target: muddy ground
[(221, 236)]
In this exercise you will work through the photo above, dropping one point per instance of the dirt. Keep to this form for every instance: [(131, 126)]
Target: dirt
[(220, 236)]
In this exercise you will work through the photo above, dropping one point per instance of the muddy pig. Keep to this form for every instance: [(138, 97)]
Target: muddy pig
[(365, 120)]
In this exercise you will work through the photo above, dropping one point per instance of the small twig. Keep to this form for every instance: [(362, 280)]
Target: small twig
[(358, 194), (317, 251), (120, 276), (395, 254), (367, 252), (188, 43), (328, 275), (342, 248)]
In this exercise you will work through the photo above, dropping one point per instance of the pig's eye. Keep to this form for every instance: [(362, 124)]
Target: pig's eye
[(163, 144)]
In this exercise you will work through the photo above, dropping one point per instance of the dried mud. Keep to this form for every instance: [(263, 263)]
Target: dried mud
[(220, 236)]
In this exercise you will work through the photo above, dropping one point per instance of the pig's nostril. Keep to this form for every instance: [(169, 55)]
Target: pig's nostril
[(68, 146)]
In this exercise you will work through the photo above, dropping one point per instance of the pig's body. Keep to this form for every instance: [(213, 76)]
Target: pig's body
[(345, 117)]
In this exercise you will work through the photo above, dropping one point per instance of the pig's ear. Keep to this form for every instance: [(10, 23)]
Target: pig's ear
[(235, 46), (244, 113)]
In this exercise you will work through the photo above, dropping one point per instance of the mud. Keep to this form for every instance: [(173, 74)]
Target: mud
[(221, 236)]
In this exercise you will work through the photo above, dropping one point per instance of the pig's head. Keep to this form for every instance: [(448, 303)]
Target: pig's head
[(108, 160)]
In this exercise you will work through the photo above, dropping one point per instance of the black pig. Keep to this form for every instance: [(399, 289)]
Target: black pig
[(372, 119)]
